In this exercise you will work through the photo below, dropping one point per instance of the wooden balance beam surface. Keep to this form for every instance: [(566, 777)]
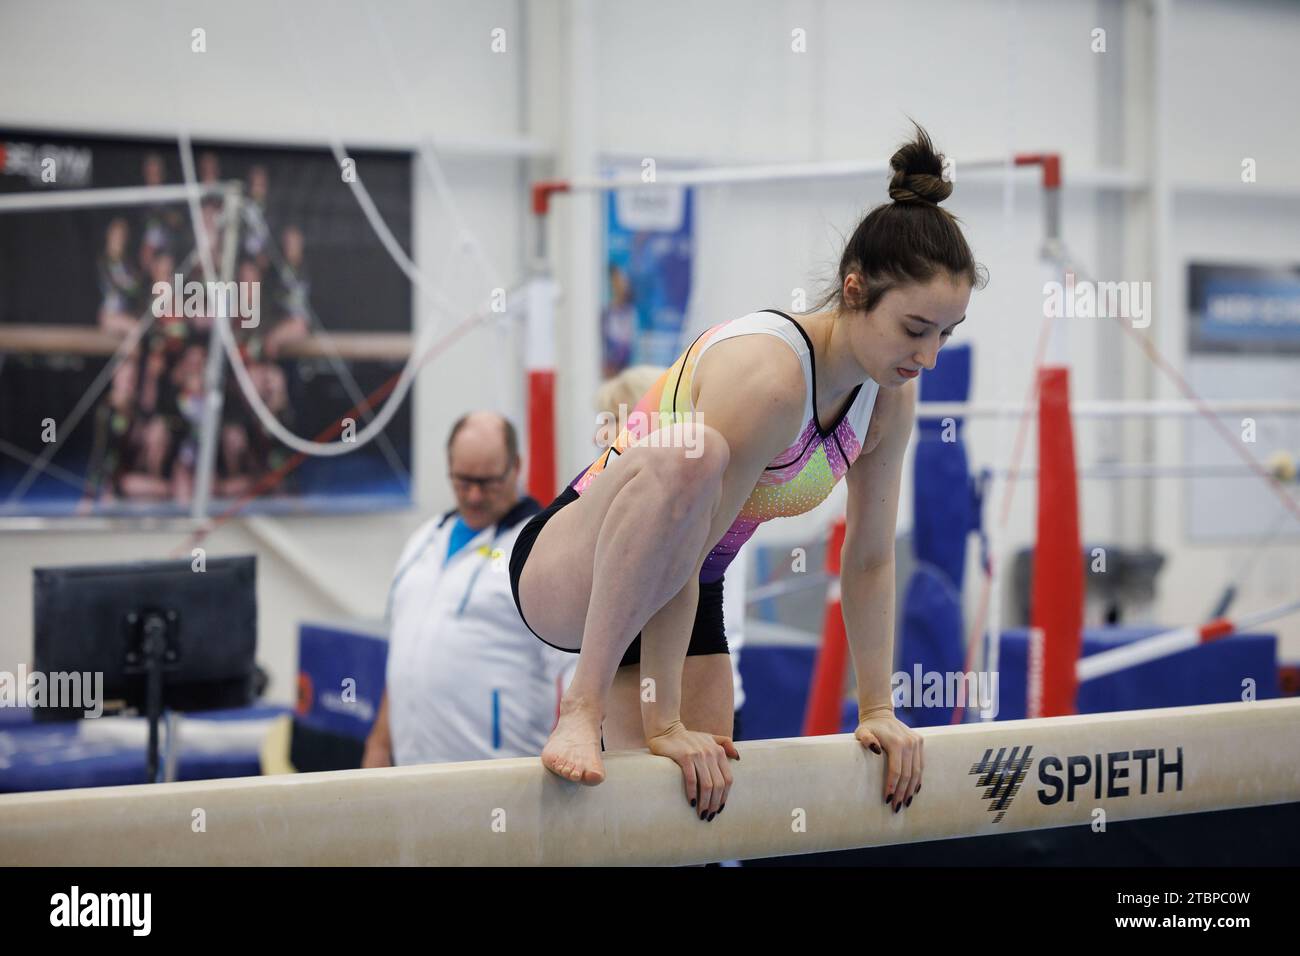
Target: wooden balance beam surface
[(802, 795)]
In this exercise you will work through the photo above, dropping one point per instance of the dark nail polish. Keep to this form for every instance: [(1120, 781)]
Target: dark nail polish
[(909, 801), (721, 808), (875, 748), (897, 807), (692, 803), (711, 816), (918, 788), (889, 798)]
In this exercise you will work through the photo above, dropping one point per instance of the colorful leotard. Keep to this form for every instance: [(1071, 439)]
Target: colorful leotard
[(799, 478)]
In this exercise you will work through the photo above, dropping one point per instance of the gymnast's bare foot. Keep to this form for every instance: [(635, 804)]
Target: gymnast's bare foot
[(573, 749)]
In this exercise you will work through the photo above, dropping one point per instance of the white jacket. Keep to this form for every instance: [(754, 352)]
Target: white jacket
[(466, 679)]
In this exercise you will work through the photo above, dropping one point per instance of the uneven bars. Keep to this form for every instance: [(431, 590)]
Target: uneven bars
[(91, 340), (1112, 409), (1118, 471), (770, 173), (801, 795), (1174, 641), (114, 196)]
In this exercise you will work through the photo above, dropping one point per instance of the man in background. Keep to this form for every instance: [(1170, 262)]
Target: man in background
[(466, 680)]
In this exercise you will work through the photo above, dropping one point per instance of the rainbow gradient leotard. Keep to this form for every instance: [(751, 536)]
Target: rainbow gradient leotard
[(796, 480)]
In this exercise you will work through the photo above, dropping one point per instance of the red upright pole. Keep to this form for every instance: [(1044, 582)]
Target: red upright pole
[(826, 693), (1056, 613)]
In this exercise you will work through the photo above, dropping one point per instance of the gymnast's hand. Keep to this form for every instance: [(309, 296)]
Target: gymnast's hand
[(903, 751), (703, 759)]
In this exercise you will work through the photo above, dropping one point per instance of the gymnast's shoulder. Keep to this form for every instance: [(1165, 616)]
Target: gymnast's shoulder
[(760, 372), (753, 393)]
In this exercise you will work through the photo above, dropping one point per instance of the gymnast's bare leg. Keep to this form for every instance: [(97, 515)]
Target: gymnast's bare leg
[(634, 539)]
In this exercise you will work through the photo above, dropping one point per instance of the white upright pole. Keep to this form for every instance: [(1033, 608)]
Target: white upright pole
[(578, 330), (213, 377)]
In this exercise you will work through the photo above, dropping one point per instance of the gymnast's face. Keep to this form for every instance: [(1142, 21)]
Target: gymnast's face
[(903, 334)]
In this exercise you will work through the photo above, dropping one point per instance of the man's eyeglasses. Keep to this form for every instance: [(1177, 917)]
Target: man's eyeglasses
[(466, 482)]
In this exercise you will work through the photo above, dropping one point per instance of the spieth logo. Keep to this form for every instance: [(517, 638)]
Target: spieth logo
[(1001, 777), (1109, 776), (46, 164)]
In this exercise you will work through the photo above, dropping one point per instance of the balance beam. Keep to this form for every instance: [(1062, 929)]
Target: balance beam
[(803, 795)]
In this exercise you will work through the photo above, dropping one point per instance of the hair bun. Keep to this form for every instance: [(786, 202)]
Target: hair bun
[(918, 173)]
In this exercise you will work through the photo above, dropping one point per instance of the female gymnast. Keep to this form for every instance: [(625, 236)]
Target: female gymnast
[(758, 419)]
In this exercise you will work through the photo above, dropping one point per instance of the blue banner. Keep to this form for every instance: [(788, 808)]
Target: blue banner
[(1244, 308), (650, 241)]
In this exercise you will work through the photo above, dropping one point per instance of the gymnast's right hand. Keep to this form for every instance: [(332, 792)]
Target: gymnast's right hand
[(703, 759)]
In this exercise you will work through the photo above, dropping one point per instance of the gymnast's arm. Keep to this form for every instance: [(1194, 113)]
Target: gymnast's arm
[(758, 421), (867, 561), (867, 588)]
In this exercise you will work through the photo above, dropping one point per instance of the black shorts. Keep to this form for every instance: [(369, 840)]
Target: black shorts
[(708, 636)]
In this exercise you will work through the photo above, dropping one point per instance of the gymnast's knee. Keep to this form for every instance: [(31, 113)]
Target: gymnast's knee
[(690, 456)]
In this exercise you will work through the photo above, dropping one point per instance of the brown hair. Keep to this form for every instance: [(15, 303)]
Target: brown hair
[(909, 240)]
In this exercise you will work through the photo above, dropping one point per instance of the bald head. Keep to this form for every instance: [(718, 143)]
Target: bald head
[(482, 429), (483, 461)]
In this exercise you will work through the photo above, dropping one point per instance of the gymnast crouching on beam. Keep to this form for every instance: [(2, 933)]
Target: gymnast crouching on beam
[(758, 419)]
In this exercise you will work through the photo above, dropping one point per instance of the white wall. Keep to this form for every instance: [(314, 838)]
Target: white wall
[(1233, 90), (718, 81), (77, 67)]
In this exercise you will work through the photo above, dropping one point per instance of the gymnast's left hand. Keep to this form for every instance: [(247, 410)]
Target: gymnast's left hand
[(903, 748)]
